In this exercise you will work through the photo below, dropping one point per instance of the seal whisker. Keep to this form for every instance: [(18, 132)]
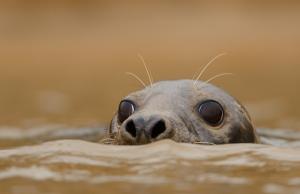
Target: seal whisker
[(214, 77), (195, 74), (207, 65), (217, 76), (147, 70), (108, 141), (137, 78), (118, 136)]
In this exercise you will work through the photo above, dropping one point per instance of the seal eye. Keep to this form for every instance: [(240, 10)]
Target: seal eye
[(211, 112), (126, 108)]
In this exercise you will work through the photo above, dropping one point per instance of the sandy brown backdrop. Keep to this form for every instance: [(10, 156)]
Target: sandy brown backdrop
[(64, 61)]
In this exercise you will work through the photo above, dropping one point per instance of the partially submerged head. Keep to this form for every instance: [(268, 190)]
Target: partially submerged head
[(184, 111)]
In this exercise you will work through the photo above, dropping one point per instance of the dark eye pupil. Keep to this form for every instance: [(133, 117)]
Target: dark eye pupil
[(126, 109), (211, 112)]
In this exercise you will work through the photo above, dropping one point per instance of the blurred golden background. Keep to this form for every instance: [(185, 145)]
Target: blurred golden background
[(64, 61)]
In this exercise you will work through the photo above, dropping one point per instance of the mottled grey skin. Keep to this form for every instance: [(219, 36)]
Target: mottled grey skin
[(176, 102)]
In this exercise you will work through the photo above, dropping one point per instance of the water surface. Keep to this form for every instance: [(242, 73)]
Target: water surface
[(78, 166)]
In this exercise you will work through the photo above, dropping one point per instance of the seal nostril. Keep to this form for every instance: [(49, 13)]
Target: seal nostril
[(158, 129), (130, 128)]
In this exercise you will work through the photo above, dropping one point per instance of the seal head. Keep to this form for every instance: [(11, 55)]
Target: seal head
[(184, 111)]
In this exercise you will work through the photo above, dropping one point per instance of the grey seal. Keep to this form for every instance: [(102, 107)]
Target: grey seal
[(186, 111)]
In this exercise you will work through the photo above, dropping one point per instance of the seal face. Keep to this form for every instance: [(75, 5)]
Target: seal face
[(184, 111)]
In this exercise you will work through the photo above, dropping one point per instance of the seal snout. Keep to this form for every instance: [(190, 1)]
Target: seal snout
[(145, 130)]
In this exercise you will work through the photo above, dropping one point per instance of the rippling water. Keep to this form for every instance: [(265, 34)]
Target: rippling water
[(78, 166)]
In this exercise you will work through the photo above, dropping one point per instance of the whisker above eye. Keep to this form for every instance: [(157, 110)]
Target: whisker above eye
[(217, 76), (137, 78), (214, 77), (147, 70), (206, 66)]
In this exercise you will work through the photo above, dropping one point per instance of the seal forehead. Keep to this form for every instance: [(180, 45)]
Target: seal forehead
[(172, 87), (164, 93), (182, 90)]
